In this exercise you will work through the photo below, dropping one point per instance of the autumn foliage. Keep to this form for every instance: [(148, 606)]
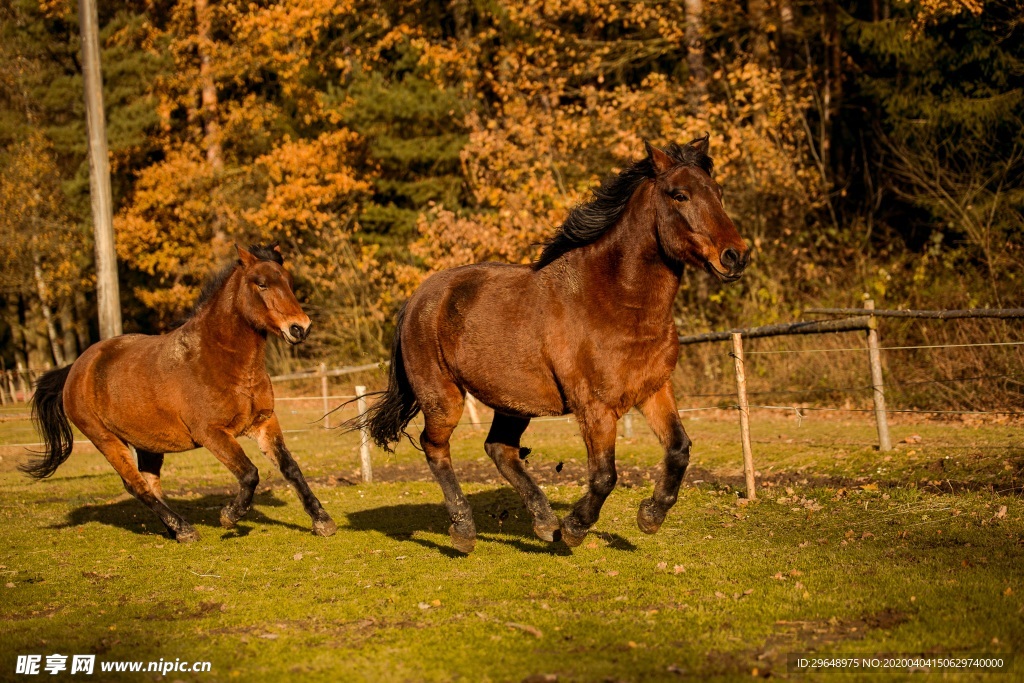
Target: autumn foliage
[(862, 148)]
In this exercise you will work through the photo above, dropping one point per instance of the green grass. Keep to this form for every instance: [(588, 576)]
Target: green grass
[(846, 551)]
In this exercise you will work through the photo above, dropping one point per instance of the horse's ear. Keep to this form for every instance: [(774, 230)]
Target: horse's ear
[(244, 257), (660, 161), (701, 144), (276, 248)]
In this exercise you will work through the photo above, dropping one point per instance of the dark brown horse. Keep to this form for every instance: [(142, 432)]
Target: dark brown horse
[(587, 329), (204, 384)]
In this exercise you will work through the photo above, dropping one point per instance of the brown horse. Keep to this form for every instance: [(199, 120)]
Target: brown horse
[(587, 329), (204, 384)]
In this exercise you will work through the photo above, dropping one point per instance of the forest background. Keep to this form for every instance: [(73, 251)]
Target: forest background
[(865, 147)]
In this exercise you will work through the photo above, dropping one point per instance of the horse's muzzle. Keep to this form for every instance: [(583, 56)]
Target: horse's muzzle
[(296, 334)]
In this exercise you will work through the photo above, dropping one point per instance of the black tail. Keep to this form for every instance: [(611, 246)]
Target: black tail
[(48, 414), (388, 417)]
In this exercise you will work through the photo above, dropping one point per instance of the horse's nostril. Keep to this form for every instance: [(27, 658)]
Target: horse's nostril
[(730, 258), (298, 332)]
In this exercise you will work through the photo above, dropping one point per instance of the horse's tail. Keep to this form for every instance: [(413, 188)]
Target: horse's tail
[(52, 422), (388, 417)]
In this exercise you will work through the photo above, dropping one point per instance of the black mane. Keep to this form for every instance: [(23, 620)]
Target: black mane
[(214, 283), (588, 221)]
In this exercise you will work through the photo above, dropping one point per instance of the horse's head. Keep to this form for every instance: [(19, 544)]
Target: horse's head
[(692, 224), (265, 295)]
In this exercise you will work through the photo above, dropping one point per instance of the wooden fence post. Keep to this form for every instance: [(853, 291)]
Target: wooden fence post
[(474, 417), (10, 386), (877, 385), (741, 394), (364, 438), (627, 426), (324, 394)]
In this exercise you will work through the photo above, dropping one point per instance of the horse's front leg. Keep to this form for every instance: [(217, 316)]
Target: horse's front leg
[(661, 414), (229, 452), (598, 427), (271, 442)]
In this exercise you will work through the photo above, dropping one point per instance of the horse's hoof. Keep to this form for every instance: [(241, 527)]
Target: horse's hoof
[(186, 535), (649, 518), (463, 543), (227, 519), (572, 534), (548, 530), (324, 527)]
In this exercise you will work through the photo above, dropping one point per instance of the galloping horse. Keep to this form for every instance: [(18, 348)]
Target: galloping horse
[(586, 329), (204, 384)]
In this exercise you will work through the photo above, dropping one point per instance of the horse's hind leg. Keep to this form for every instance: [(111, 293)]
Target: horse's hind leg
[(502, 445), (598, 427), (271, 442), (137, 483), (150, 465), (229, 452), (440, 416), (661, 414)]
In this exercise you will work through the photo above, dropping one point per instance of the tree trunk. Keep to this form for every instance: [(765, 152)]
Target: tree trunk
[(67, 331), (56, 347), (759, 38), (211, 126), (17, 331), (82, 320), (695, 51)]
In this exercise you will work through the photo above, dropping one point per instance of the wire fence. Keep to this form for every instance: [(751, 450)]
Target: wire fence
[(15, 385)]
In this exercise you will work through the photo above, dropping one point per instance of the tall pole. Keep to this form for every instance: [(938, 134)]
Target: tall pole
[(107, 291)]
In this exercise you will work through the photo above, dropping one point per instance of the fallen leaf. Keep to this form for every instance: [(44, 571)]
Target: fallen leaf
[(870, 487), (526, 628), (1002, 512), (719, 594), (1008, 592), (423, 605), (913, 438), (435, 603), (662, 565), (678, 569), (269, 636), (592, 545), (297, 556), (613, 573)]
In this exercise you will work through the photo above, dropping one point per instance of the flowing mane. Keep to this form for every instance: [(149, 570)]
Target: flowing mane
[(589, 220), (214, 283)]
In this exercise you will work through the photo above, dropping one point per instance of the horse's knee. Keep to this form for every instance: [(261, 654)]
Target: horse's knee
[(603, 483), (250, 478)]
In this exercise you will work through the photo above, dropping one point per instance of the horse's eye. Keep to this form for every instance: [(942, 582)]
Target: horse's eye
[(680, 197), (262, 286)]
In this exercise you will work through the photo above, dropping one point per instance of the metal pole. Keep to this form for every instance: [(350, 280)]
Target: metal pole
[(741, 394), (324, 394), (364, 438), (107, 291), (877, 385), (474, 417)]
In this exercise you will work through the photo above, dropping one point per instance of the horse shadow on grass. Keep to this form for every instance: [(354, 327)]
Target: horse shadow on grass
[(500, 517), (131, 515)]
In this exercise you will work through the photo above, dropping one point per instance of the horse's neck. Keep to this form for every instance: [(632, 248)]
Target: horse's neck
[(627, 267), (223, 331)]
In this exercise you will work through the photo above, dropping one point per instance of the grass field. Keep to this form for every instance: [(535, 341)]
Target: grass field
[(847, 551)]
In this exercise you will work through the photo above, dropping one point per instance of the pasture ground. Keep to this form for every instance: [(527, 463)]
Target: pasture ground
[(847, 551)]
